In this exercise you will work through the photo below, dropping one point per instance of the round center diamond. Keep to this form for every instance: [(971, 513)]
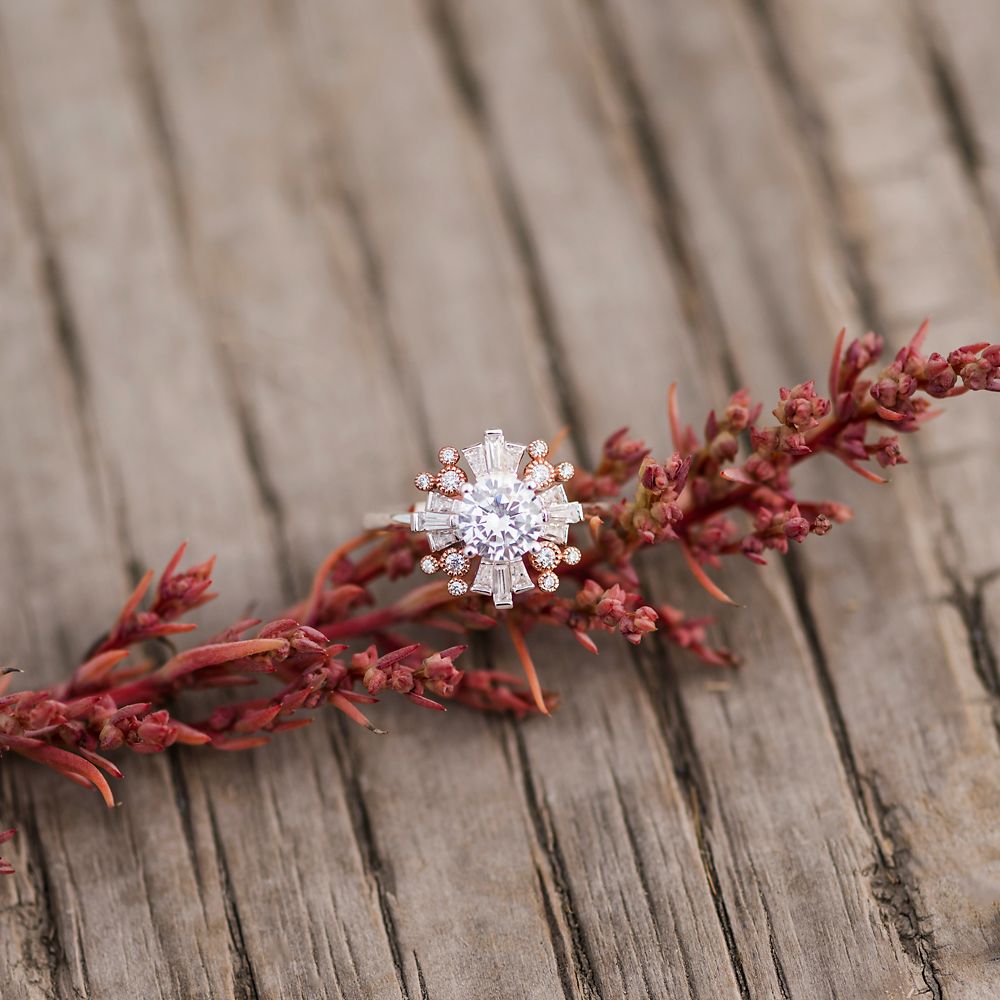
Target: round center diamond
[(499, 518)]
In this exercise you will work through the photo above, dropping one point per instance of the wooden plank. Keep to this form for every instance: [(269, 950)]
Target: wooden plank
[(109, 224), (533, 110), (263, 214), (954, 41), (612, 871), (910, 729), (105, 900), (48, 510), (449, 856), (928, 252)]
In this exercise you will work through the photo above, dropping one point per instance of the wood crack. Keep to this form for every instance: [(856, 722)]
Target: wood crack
[(563, 961), (376, 868), (637, 859), (244, 979), (659, 681), (694, 291), (548, 841), (145, 77), (951, 103), (47, 926), (969, 602), (421, 982), (138, 51), (958, 119), (893, 881), (460, 70), (183, 802), (54, 291), (779, 968), (809, 123), (374, 278)]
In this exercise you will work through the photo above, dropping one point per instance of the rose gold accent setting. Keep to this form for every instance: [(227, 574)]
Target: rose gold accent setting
[(450, 480), (455, 562), (538, 448), (539, 475), (545, 557)]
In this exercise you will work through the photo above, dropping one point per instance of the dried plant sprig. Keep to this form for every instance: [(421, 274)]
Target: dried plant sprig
[(726, 493)]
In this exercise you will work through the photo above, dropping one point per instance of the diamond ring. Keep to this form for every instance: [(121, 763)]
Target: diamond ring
[(501, 517)]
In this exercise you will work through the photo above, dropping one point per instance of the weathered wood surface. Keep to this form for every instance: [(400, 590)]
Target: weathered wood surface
[(256, 258)]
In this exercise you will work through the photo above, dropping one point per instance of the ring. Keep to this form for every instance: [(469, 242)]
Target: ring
[(501, 517)]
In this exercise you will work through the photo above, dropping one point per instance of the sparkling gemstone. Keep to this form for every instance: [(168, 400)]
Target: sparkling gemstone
[(448, 455), (454, 563), (499, 518), (450, 480), (538, 449), (572, 555), (538, 474), (429, 564), (565, 471), (457, 587), (548, 582), (546, 557), (424, 481)]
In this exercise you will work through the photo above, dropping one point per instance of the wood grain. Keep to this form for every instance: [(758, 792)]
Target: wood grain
[(258, 258)]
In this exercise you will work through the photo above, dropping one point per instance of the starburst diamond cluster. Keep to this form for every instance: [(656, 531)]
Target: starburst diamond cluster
[(501, 517)]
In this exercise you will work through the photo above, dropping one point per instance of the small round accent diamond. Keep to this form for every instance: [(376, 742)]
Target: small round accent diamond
[(455, 563), (424, 482), (450, 481), (548, 582), (429, 564), (571, 555), (448, 455), (546, 556), (539, 474), (457, 587), (538, 449), (565, 471)]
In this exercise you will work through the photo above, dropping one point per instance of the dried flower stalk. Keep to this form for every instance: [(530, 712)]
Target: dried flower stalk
[(705, 499)]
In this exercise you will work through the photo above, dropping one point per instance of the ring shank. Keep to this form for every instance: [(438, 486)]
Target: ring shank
[(372, 521)]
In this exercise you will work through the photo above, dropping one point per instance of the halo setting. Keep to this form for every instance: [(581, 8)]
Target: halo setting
[(499, 517)]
